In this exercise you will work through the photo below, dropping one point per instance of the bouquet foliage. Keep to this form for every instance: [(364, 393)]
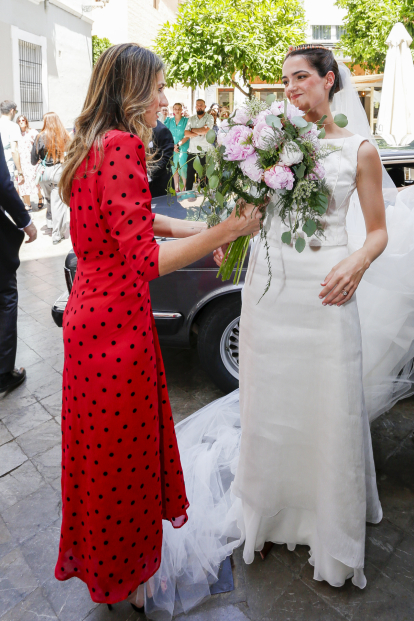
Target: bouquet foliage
[(266, 149)]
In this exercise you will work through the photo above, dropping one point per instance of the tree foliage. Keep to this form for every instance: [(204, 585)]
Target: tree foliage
[(99, 46), (368, 24), (230, 42)]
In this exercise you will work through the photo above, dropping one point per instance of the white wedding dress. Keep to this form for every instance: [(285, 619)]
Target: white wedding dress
[(289, 458)]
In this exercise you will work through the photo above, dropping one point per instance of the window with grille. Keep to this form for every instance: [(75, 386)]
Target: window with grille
[(31, 92), (340, 30), (321, 33)]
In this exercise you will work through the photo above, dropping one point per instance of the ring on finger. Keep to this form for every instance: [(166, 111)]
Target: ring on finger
[(344, 292)]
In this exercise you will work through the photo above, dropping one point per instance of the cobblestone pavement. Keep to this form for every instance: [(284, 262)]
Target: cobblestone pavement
[(279, 589)]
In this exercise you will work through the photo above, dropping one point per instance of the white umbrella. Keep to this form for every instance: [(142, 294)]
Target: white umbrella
[(396, 114)]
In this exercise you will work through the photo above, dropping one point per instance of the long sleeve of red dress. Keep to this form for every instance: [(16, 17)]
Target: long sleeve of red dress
[(121, 470)]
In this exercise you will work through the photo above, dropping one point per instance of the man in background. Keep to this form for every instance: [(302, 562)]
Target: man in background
[(11, 237), (163, 147), (10, 135), (163, 114), (197, 127)]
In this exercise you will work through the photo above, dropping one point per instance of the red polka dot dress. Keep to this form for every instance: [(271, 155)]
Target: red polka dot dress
[(121, 470)]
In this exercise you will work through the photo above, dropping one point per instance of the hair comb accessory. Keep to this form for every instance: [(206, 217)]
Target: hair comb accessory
[(306, 46)]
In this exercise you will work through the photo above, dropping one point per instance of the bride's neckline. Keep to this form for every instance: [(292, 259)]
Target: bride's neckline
[(344, 138)]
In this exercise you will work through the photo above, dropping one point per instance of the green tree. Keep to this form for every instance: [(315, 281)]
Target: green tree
[(99, 46), (230, 42), (368, 24)]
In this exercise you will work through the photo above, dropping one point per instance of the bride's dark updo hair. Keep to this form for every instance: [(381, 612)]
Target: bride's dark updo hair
[(321, 59)]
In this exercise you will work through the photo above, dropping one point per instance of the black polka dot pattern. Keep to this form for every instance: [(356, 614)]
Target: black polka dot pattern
[(121, 470)]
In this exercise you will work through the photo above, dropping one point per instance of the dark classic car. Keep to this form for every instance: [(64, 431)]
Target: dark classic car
[(193, 305)]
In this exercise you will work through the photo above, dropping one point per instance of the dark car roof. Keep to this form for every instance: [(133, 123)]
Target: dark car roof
[(169, 206)]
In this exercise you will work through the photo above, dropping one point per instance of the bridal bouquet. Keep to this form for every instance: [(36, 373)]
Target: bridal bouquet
[(264, 149)]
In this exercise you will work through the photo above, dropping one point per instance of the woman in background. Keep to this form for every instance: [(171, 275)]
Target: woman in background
[(177, 125), (25, 144), (50, 147)]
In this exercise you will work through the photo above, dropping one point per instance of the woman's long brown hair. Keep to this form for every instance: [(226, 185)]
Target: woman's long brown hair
[(120, 92), (55, 137)]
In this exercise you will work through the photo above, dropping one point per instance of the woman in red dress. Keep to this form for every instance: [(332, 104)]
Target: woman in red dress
[(121, 471)]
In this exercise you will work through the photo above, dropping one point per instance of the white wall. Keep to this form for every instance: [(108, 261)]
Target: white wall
[(69, 52), (322, 13)]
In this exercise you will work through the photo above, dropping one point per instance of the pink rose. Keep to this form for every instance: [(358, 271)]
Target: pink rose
[(241, 116), (251, 169), (261, 117), (278, 107), (318, 172), (262, 134), (279, 178), (236, 145)]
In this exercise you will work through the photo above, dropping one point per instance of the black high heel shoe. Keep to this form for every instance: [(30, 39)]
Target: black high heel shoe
[(137, 609), (109, 606)]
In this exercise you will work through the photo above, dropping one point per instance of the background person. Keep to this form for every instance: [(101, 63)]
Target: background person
[(163, 149), (10, 136), (25, 145), (121, 472), (177, 125), (164, 114), (197, 127), (11, 237), (50, 146)]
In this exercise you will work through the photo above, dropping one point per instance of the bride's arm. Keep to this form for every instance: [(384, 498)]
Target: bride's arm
[(347, 274), (173, 227)]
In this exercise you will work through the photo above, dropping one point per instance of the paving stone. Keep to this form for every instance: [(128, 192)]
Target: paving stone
[(16, 400), (34, 608), (381, 542), (50, 388), (401, 565), (396, 424), (41, 552), (6, 542), (27, 358), (40, 439), (397, 502), (70, 600), (53, 403), (120, 612), (11, 457), (40, 373), (5, 435), (266, 581), (49, 463), (26, 419), (33, 514), (387, 601), (19, 484), (299, 603), (16, 580), (295, 560), (344, 600), (401, 464)]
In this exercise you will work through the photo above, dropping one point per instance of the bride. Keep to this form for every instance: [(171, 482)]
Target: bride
[(289, 458)]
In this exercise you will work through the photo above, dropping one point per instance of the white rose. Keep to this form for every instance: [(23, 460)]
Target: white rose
[(290, 154)]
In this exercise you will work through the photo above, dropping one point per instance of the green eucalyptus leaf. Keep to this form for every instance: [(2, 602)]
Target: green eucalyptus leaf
[(198, 167), (322, 133), (321, 120), (286, 237), (273, 121), (300, 244), (199, 148), (309, 227), (300, 170), (305, 129), (298, 121), (340, 120), (220, 198), (323, 200), (211, 136), (213, 182), (210, 169), (222, 149), (270, 99)]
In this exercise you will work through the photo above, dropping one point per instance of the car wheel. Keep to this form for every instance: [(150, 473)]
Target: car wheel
[(218, 341)]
